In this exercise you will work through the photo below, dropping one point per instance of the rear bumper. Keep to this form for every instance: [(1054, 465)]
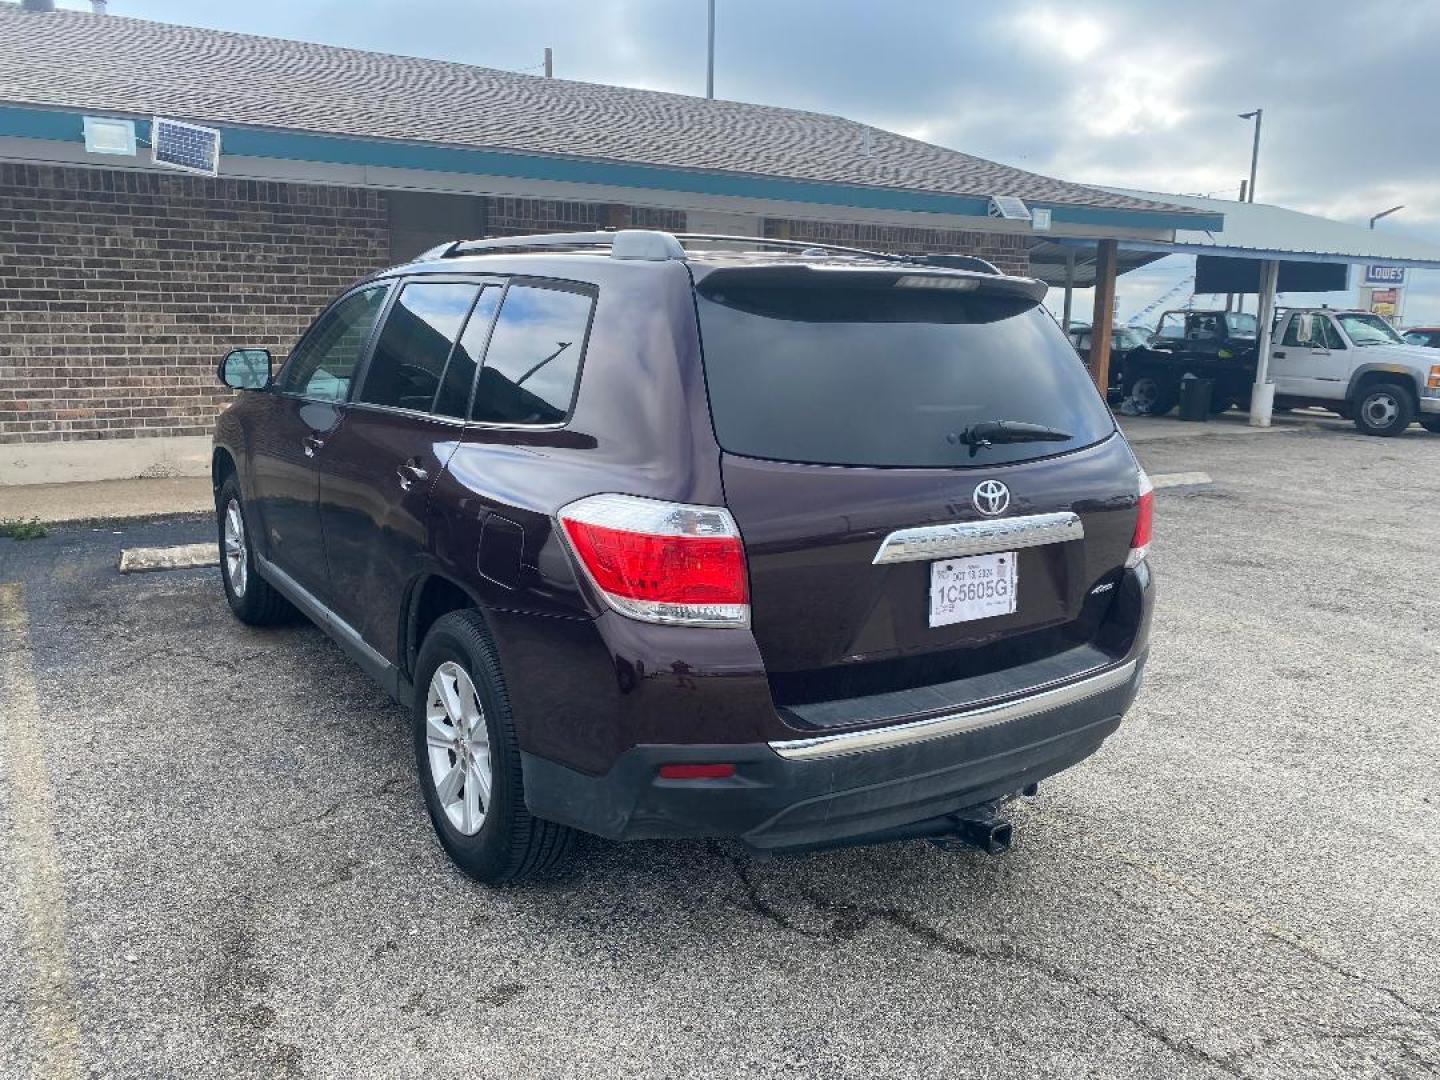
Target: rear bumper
[(841, 788)]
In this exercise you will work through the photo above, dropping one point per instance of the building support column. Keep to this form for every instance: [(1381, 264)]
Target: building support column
[(1106, 257), (1069, 289), (1262, 395)]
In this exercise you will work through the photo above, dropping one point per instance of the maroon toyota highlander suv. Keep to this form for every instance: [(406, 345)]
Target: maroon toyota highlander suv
[(794, 545)]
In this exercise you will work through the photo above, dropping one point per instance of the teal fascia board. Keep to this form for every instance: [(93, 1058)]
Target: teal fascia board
[(66, 126)]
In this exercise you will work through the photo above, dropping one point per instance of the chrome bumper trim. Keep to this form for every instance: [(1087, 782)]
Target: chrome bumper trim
[(938, 727), (960, 538)]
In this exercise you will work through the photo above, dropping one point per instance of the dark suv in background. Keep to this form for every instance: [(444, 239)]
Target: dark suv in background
[(798, 546)]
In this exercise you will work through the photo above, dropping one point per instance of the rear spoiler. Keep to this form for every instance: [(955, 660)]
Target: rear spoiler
[(899, 276)]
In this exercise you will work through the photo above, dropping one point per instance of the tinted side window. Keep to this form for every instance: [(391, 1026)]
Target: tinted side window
[(324, 362), (533, 360), (454, 396), (415, 343)]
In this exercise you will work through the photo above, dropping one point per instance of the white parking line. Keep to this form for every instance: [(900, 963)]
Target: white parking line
[(1180, 479), (50, 985), (180, 557)]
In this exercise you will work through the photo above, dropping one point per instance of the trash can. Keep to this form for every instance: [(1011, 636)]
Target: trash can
[(1195, 398)]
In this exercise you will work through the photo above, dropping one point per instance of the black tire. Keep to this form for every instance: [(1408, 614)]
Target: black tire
[(510, 844), (1384, 409), (1431, 424), (1158, 393), (252, 598)]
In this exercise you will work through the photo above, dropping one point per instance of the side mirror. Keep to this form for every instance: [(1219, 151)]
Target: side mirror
[(246, 369)]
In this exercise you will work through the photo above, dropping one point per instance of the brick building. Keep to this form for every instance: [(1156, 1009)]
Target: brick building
[(122, 282)]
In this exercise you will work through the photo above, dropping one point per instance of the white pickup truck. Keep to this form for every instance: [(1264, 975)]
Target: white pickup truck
[(1354, 363)]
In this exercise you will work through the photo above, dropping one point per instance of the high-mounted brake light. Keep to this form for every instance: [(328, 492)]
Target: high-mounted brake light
[(661, 562), (936, 281), (1144, 522)]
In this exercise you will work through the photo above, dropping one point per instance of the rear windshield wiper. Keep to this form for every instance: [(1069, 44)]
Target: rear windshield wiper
[(990, 432)]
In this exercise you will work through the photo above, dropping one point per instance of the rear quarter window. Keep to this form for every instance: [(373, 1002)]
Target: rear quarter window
[(532, 364), (887, 376)]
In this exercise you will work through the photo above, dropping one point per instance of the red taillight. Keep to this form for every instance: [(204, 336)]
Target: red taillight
[(696, 772), (661, 562), (1144, 522)]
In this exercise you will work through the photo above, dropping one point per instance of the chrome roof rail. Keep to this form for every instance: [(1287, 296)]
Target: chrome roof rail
[(653, 245), (645, 244)]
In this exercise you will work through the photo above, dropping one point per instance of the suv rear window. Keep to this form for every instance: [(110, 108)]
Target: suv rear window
[(878, 374)]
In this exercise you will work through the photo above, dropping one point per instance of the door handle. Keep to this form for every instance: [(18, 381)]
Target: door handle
[(311, 443), (411, 474), (1278, 355)]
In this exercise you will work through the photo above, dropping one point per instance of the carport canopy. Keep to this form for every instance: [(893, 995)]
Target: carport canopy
[(1258, 232)]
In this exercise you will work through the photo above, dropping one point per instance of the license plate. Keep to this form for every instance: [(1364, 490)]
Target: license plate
[(977, 587)]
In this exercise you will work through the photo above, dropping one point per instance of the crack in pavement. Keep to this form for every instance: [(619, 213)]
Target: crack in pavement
[(1248, 917), (387, 786), (854, 918), (1385, 1031), (295, 823)]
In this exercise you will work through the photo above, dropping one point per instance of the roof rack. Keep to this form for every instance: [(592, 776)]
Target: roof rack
[(645, 244), (656, 246)]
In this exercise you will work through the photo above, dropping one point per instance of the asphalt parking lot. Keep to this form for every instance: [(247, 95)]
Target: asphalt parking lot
[(214, 860)]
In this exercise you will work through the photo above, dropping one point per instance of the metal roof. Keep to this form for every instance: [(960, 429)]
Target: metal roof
[(1262, 231), (70, 60), (1048, 260)]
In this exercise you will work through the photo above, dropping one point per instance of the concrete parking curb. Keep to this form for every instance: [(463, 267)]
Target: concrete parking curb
[(181, 557)]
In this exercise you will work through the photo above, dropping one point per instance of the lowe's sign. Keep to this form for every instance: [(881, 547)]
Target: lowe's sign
[(1384, 275)]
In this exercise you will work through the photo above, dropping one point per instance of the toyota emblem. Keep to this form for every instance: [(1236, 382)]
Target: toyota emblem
[(991, 497)]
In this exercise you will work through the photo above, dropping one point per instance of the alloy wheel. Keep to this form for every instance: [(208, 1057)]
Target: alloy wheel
[(237, 569), (458, 747)]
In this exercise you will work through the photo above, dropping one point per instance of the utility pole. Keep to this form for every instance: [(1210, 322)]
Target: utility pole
[(710, 54), (1255, 150), (549, 63), (1230, 297)]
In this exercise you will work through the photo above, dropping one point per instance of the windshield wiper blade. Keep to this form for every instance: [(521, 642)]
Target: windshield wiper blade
[(990, 432)]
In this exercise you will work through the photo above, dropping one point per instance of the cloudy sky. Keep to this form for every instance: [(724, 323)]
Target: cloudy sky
[(1140, 93)]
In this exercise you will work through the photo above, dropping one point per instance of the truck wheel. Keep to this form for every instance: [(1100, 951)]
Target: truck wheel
[(252, 598), (1150, 394), (1431, 424), (469, 760), (1383, 409)]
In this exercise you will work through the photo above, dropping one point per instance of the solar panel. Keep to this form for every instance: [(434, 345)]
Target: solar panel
[(1008, 207), (188, 147)]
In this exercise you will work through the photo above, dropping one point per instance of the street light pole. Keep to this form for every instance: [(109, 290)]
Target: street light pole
[(1255, 150), (1385, 213), (710, 54)]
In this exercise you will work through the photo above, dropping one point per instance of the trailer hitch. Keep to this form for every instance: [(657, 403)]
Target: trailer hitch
[(977, 827)]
